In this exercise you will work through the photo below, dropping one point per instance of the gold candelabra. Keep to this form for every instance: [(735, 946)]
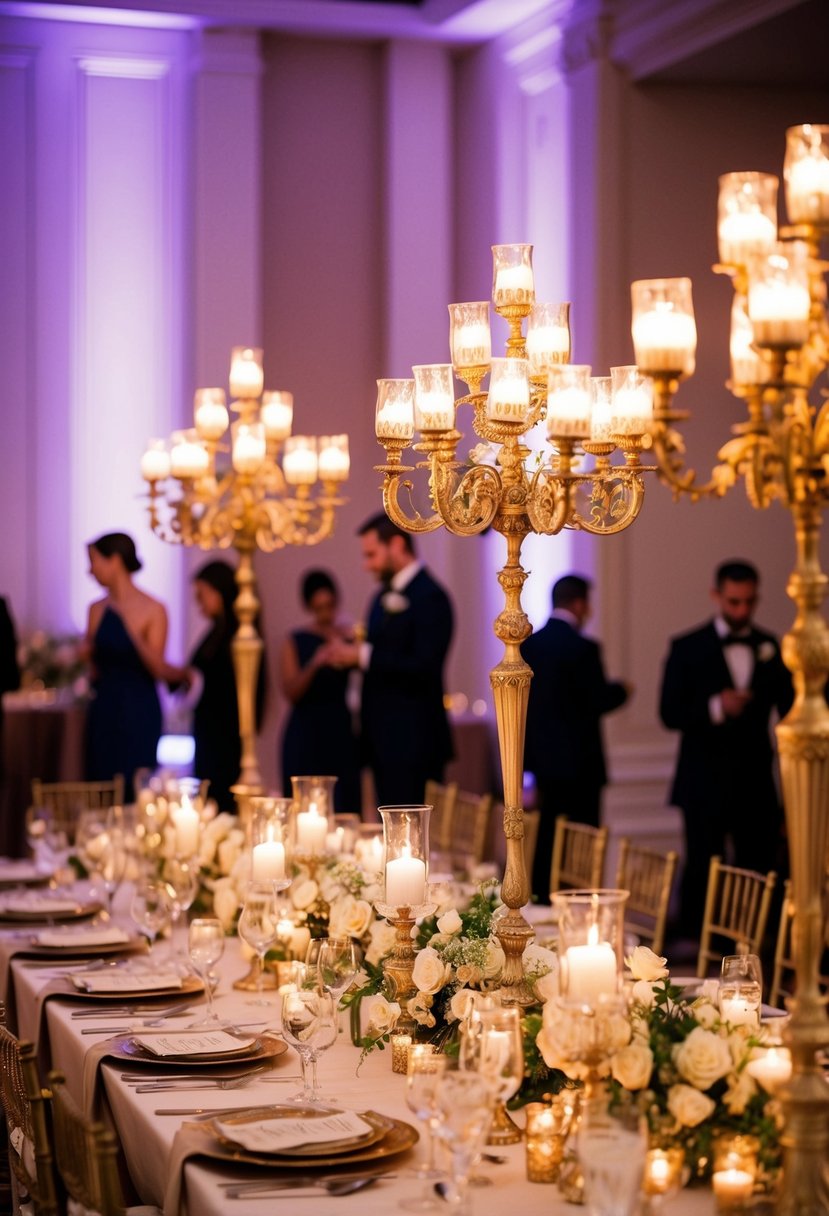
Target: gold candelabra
[(255, 503), (779, 349), (575, 486)]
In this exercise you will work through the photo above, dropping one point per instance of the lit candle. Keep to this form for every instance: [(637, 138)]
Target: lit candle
[(568, 412), (514, 285), (300, 937), (299, 464), (277, 413), (210, 412), (665, 340), (394, 412), (632, 410), (400, 1044), (545, 1143), (740, 1010), (186, 823), (405, 880), (508, 399), (268, 861), (155, 463), (188, 457), (311, 830), (732, 1185), (591, 970), (779, 313), (472, 345), (248, 448), (547, 345), (434, 411), (807, 189), (333, 459), (334, 841), (747, 366), (743, 233), (772, 1069), (246, 377)]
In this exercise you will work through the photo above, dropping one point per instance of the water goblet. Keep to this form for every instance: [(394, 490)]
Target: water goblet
[(423, 1076), (309, 1024), (611, 1149), (337, 963), (258, 928), (206, 943), (150, 908), (464, 1108), (492, 1044), (182, 880), (741, 989)]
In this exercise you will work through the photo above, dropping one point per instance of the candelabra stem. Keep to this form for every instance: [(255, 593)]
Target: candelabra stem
[(246, 649), (397, 968), (803, 738)]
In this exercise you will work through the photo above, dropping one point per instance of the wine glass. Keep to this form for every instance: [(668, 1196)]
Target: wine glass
[(492, 1044), (258, 928), (423, 1076), (337, 963), (150, 908), (611, 1149), (182, 881), (464, 1110), (741, 989), (112, 864), (206, 942), (309, 1024)]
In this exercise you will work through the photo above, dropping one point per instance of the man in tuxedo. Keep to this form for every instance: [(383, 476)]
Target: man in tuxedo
[(720, 685), (405, 730), (569, 694)]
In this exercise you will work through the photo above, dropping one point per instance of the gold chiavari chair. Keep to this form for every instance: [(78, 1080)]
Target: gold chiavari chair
[(648, 875), (65, 800), (736, 910), (578, 855), (467, 827), (24, 1106), (86, 1155), (441, 798)]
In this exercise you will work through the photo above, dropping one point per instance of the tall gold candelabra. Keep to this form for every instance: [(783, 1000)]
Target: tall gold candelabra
[(575, 486), (779, 349), (255, 503)]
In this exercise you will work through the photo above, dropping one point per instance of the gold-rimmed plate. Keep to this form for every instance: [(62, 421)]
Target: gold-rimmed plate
[(379, 1126), (41, 913), (190, 985), (399, 1138), (265, 1047)]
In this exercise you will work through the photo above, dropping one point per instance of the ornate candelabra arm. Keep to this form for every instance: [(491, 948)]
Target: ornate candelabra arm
[(550, 500), (392, 483), (247, 655), (468, 503), (668, 447), (616, 502)]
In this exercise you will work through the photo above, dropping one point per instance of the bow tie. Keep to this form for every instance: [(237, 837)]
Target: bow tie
[(736, 639)]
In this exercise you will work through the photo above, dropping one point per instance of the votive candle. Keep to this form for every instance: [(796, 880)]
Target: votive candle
[(400, 1044)]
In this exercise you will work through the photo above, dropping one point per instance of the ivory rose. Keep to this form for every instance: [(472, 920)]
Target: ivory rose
[(381, 936), (430, 972), (382, 1015), (450, 922), (702, 1058), (349, 917), (688, 1106), (645, 965), (304, 894), (632, 1066)]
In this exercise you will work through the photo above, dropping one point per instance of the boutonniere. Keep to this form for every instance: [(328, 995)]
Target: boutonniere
[(766, 651), (393, 602)]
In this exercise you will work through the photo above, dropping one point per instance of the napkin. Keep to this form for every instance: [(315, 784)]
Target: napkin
[(198, 1043), (111, 980), (281, 1135), (75, 938), (31, 901)]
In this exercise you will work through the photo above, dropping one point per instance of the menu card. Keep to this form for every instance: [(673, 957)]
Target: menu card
[(33, 903), (112, 980), (195, 1043), (281, 1135), (74, 939)]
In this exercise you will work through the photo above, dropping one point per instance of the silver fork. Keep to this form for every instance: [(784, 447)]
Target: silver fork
[(160, 1087)]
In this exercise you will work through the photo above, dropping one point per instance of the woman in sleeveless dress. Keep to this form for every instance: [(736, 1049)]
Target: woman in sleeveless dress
[(319, 737), (126, 635)]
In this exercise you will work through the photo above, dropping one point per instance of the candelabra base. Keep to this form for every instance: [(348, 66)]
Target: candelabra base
[(258, 979), (515, 935), (502, 1129), (398, 967)]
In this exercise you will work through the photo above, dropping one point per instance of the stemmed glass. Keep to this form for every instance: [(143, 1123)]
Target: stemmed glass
[(112, 864), (309, 1024), (741, 989), (492, 1044), (150, 908), (337, 962), (258, 928), (206, 942), (611, 1149), (464, 1109), (182, 881), (423, 1076)]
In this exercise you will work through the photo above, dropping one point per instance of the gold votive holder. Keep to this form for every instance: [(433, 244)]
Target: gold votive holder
[(416, 1051), (400, 1044), (545, 1142), (663, 1170), (735, 1170)]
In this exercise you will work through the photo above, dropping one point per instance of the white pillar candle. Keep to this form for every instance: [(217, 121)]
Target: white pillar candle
[(591, 971), (155, 464), (333, 463), (300, 466), (547, 345), (300, 937), (186, 824), (188, 458), (732, 1185), (405, 881), (514, 285), (665, 341), (568, 413), (395, 420), (779, 313), (739, 1011), (632, 410), (268, 861), (508, 399), (246, 378), (807, 189), (772, 1069), (334, 841), (434, 411), (277, 413), (472, 345), (248, 452), (311, 830), (743, 233)]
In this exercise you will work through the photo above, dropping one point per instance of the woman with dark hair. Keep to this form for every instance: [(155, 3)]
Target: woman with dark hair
[(216, 717), (125, 638), (319, 737)]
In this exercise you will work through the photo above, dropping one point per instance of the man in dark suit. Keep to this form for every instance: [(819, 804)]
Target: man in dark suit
[(720, 685), (569, 693), (405, 731)]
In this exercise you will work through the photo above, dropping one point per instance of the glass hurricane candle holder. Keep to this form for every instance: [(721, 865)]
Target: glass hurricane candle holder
[(735, 1170), (246, 376), (210, 413), (277, 414), (631, 401), (334, 461), (748, 367), (271, 840), (434, 397), (313, 808), (806, 173), (189, 457), (569, 402), (590, 943), (778, 296), (746, 216), (508, 399), (663, 326), (548, 337), (741, 989), (492, 1044), (601, 415), (470, 337), (512, 277), (155, 463), (404, 897), (299, 463), (248, 448), (547, 1128), (394, 412)]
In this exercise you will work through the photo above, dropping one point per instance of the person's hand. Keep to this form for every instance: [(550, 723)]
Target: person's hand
[(734, 702), (344, 654)]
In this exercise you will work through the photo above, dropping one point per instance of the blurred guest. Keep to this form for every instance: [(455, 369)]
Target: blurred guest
[(569, 694), (721, 683), (406, 736), (125, 638), (314, 667)]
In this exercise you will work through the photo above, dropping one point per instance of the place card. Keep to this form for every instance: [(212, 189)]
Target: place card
[(111, 980), (197, 1043), (73, 939), (281, 1135)]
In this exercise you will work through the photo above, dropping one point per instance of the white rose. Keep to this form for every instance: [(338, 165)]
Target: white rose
[(225, 902), (741, 1088), (304, 894), (702, 1058), (230, 850), (450, 922), (643, 993), (382, 1015), (420, 1007), (645, 965), (430, 972), (706, 1014), (495, 959), (632, 1066), (688, 1106), (350, 917), (381, 936), (461, 1003)]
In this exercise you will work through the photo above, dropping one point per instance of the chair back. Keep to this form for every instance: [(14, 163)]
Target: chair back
[(67, 799), (736, 911), (24, 1107), (86, 1154), (578, 855), (468, 826), (441, 798), (648, 875)]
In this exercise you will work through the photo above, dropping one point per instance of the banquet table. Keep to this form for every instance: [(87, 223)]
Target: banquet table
[(147, 1136)]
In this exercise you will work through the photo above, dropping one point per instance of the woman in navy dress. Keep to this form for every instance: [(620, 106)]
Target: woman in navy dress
[(126, 635), (319, 737)]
